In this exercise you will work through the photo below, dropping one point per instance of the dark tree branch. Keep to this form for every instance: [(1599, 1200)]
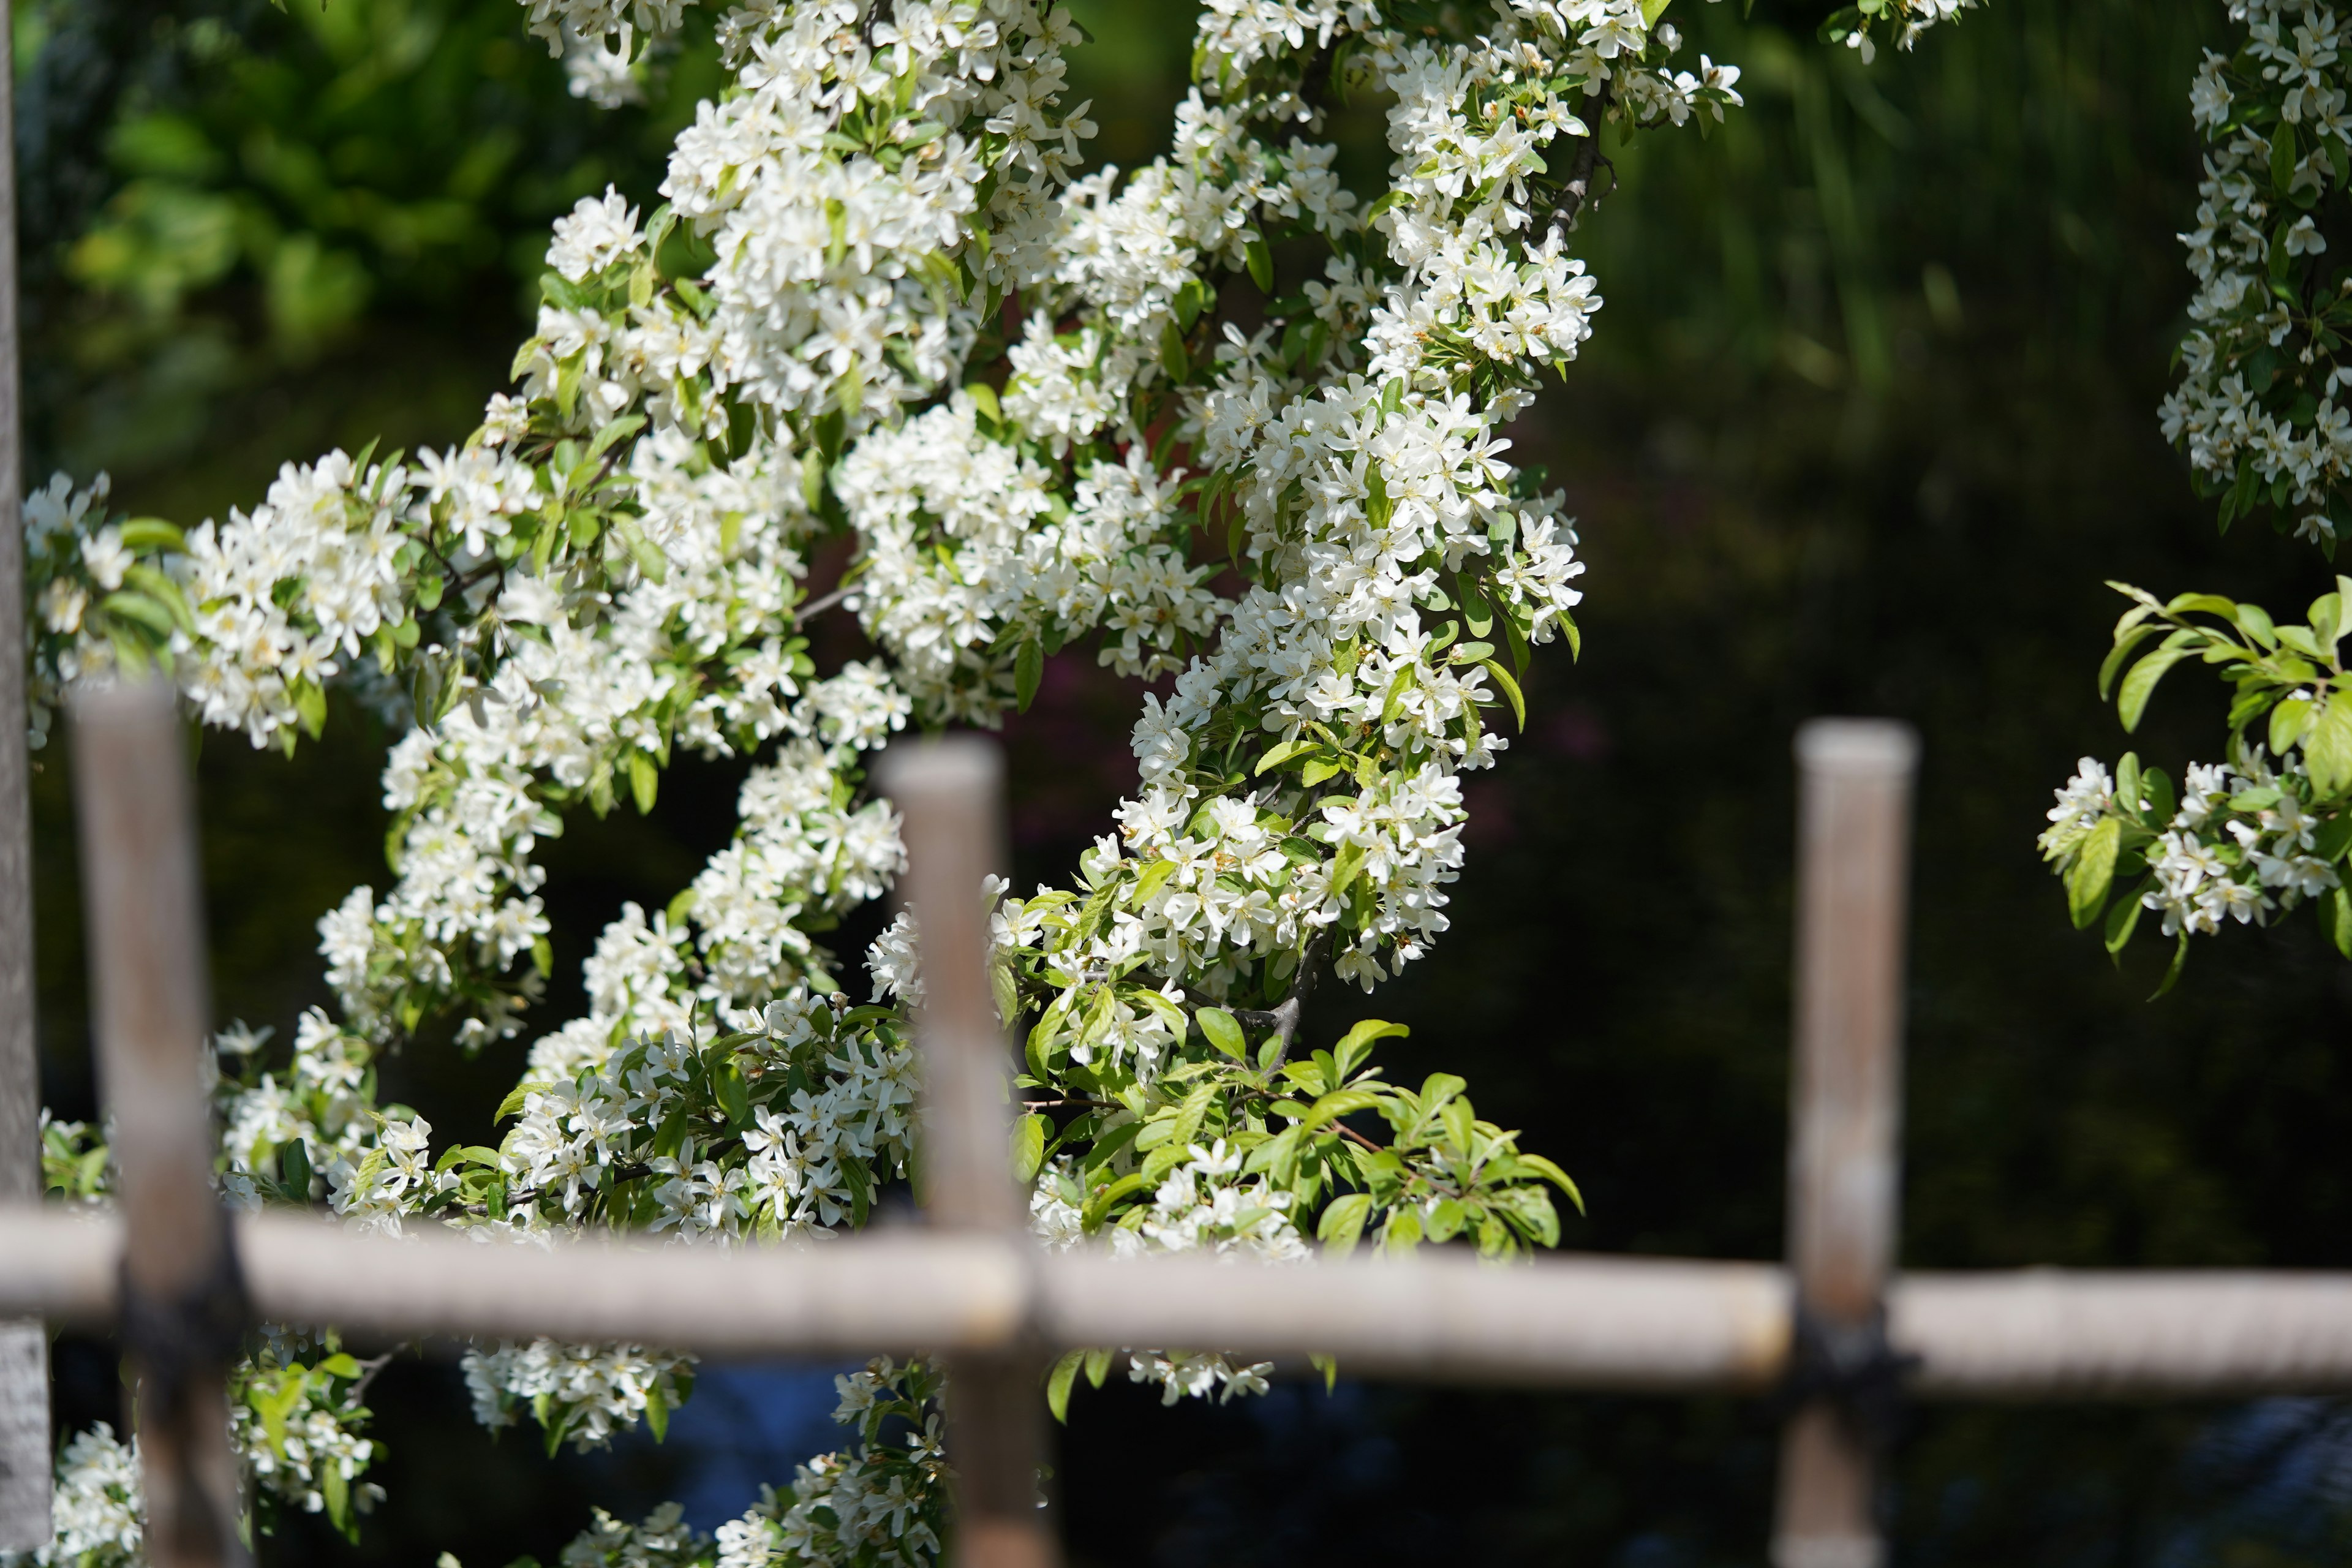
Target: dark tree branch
[(1579, 194), (1284, 1019)]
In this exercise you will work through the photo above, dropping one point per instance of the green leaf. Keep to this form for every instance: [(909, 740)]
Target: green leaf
[(734, 1095), (1097, 1366), (1028, 669), (337, 1493), (135, 607), (2290, 722), (1223, 1031), (165, 592), (1029, 1146), (2335, 918), (1091, 1217), (1329, 1367), (310, 706), (2328, 751), (1261, 264), (1345, 866), (1148, 882), (643, 551), (1343, 1223), (2127, 783), (644, 779), (2123, 919), (657, 1415), (1654, 9), (1337, 1104), (1287, 751), (2326, 623), (983, 399), (1172, 356), (2172, 970), (1554, 1175), (147, 535), (1510, 689), (1357, 1043), (1058, 1384), (626, 426), (294, 1170), (2138, 686), (2094, 871)]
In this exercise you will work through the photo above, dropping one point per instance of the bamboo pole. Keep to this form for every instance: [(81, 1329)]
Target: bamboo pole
[(24, 1346), (1623, 1324), (950, 791), (1854, 841), (182, 1313)]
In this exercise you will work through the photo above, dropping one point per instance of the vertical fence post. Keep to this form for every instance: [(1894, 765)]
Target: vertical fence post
[(24, 1347), (181, 1306), (1853, 846), (950, 793)]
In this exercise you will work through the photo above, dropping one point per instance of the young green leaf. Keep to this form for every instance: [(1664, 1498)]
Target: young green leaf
[(1028, 671), (1029, 1136), (1058, 1384), (2138, 686), (2328, 751), (2094, 871), (1224, 1031), (1343, 1223)]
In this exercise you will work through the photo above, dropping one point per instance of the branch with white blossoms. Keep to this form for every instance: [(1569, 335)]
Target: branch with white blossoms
[(2243, 840), (2262, 413), (2261, 409), (1046, 414)]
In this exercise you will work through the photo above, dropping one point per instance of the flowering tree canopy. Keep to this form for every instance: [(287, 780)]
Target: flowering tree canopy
[(1222, 421)]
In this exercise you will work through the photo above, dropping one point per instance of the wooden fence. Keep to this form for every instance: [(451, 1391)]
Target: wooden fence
[(1835, 1329)]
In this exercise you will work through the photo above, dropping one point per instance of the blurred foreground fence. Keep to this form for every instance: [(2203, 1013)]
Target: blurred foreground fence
[(1838, 1336)]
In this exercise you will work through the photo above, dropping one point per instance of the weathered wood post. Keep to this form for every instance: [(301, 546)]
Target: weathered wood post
[(950, 793), (1853, 852), (24, 1346), (183, 1307)]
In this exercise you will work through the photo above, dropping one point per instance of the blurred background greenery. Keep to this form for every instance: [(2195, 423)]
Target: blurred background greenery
[(1869, 417)]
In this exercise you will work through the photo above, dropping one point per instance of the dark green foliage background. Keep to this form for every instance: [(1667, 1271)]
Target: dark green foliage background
[(1869, 416)]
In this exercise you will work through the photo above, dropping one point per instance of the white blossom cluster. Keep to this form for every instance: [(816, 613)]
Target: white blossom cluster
[(876, 1506), (96, 1512), (1202, 1205), (298, 1437), (598, 1389), (2261, 409), (661, 1539), (968, 547), (2241, 847)]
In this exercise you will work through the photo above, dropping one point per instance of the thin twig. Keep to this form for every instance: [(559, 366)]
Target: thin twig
[(818, 607), (368, 1369)]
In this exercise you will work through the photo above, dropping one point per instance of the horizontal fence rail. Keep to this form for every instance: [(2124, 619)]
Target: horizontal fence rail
[(1601, 1323)]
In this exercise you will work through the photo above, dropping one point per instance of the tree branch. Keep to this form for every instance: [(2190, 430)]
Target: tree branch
[(1284, 1019), (1579, 195)]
